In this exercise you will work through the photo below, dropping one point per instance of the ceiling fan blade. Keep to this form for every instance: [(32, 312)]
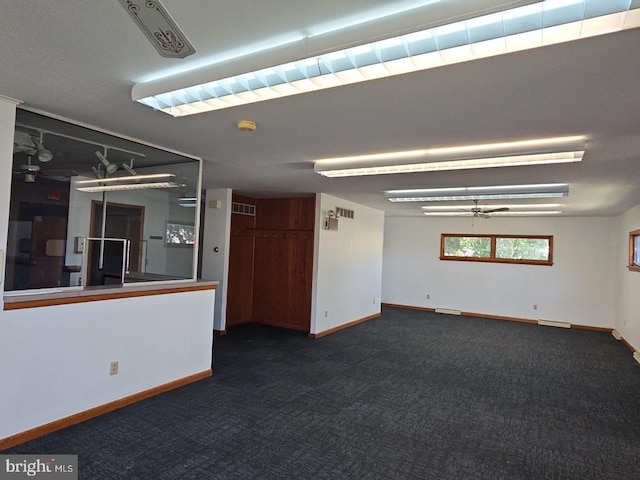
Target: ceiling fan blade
[(494, 210)]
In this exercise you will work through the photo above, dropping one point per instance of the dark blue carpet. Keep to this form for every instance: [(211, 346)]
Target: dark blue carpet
[(410, 395)]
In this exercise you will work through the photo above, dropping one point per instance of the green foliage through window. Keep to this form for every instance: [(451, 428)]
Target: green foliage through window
[(179, 234), (534, 249), (467, 247), (522, 248)]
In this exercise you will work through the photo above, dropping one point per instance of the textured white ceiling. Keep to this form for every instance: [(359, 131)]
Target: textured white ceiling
[(79, 59)]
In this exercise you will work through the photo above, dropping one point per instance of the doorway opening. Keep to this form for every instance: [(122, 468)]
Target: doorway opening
[(123, 222)]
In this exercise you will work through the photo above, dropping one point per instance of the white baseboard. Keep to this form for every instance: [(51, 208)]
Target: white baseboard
[(554, 323)]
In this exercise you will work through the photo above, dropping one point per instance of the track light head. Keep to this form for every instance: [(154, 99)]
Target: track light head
[(97, 172), (109, 167), (44, 155), (129, 169)]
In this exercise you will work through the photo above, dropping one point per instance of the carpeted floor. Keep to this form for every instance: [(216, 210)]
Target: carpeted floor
[(410, 395)]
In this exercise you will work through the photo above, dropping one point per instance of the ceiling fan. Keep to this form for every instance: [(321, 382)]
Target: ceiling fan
[(476, 211), (30, 172)]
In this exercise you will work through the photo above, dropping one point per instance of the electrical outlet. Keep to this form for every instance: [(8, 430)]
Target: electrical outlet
[(113, 368), (428, 296), (374, 301), (535, 306), (326, 313)]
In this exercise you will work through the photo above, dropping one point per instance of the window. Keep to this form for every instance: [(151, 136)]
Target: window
[(180, 234), (530, 249), (634, 251), (88, 208)]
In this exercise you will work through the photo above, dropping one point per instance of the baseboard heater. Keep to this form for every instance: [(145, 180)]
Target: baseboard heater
[(554, 323), (636, 355), (448, 311)]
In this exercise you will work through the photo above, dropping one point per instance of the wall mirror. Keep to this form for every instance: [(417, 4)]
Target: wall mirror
[(88, 208)]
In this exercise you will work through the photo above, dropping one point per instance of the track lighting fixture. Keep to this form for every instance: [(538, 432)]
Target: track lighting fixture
[(44, 155), (129, 168), (109, 167), (97, 172)]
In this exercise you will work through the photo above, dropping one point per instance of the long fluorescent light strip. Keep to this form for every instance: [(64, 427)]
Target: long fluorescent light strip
[(532, 26), (492, 162), (538, 213), (536, 145), (489, 196), (127, 186), (124, 179), (483, 188), (455, 208)]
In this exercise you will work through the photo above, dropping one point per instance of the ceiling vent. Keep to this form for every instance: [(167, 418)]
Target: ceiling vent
[(243, 209)]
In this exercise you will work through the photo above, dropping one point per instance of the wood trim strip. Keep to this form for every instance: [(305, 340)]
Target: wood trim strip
[(110, 295), (51, 427), (499, 317), (342, 327), (628, 345), (589, 327), (409, 307)]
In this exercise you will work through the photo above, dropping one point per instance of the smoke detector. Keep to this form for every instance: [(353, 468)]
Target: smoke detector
[(246, 125)]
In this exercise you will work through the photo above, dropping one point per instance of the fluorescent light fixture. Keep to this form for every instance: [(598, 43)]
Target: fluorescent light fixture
[(488, 196), (124, 179), (500, 192), (539, 213), (512, 206), (506, 154), (511, 146), (374, 156), (532, 26), (129, 186), (446, 165)]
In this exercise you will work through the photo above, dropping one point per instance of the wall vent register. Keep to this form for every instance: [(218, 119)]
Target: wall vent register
[(243, 209)]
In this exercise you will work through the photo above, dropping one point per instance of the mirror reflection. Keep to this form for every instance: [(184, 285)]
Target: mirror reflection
[(88, 208)]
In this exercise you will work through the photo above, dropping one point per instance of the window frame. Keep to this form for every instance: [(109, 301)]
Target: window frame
[(633, 235), (492, 255)]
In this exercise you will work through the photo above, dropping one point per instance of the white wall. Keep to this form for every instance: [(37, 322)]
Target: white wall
[(627, 283), (56, 359), (216, 234), (348, 265), (578, 288)]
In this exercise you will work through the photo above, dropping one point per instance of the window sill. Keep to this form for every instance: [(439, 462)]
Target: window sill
[(498, 260), (93, 294)]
